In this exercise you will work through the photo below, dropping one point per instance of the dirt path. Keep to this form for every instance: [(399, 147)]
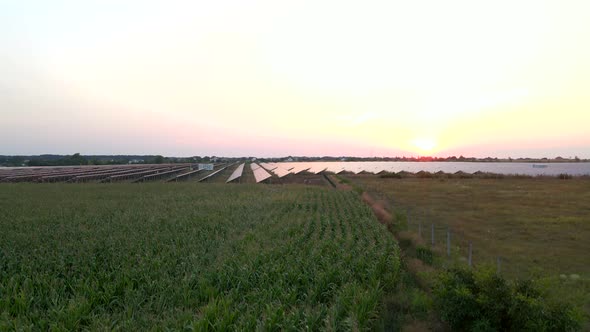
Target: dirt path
[(247, 175)]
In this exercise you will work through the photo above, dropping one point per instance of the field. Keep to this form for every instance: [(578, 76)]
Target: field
[(538, 226), (191, 256)]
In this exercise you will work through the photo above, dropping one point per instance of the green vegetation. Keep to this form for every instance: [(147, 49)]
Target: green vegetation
[(191, 256), (425, 255), (482, 300), (75, 159), (343, 180)]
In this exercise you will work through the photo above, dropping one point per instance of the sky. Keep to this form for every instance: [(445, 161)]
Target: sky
[(277, 78)]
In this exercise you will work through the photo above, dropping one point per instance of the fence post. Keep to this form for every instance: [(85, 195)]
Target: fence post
[(470, 253), (420, 228), (432, 234), (448, 242), (420, 224)]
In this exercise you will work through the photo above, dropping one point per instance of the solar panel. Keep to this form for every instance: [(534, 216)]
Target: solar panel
[(100, 176), (185, 175), (259, 173), (317, 169), (299, 168), (357, 170), (70, 175), (338, 170), (236, 174), (162, 174), (269, 166), (378, 169), (135, 175), (280, 172)]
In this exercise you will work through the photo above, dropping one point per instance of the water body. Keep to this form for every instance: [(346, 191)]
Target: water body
[(510, 168)]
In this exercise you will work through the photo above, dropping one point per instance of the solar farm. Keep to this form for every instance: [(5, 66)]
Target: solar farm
[(249, 172), (271, 173)]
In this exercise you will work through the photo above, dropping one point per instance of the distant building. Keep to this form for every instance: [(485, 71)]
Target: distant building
[(135, 161)]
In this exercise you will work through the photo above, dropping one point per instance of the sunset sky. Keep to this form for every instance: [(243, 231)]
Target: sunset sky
[(276, 78)]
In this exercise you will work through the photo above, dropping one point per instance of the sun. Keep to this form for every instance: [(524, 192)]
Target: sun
[(424, 144)]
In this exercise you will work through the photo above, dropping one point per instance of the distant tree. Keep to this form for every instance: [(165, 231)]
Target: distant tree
[(77, 159), (158, 160), (34, 162)]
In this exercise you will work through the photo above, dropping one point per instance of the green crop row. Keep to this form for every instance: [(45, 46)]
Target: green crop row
[(188, 256)]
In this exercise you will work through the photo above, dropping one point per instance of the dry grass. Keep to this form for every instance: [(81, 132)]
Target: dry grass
[(532, 223), (539, 226), (378, 208)]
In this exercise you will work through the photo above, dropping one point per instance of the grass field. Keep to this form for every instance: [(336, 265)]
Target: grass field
[(540, 227), (190, 256)]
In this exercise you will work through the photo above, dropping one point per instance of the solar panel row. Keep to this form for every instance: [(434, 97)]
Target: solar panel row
[(236, 174), (160, 175), (184, 176), (178, 172), (71, 175), (268, 166), (135, 175), (259, 173), (215, 173), (76, 173), (101, 176)]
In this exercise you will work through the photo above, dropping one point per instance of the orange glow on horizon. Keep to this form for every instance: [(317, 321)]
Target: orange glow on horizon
[(425, 145)]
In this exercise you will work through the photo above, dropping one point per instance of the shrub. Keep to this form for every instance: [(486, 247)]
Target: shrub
[(455, 299), (481, 300), (392, 175), (425, 255), (420, 302), (424, 175)]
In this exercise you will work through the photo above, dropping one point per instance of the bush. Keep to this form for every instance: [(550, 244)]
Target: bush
[(392, 175), (425, 255), (481, 300), (419, 302), (424, 175)]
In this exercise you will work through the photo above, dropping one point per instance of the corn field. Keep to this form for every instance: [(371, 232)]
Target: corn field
[(189, 256)]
